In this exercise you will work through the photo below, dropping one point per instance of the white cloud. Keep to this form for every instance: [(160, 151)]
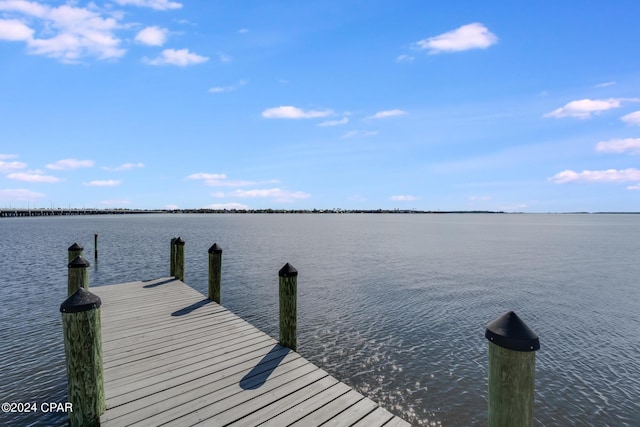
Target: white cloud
[(619, 146), (342, 121), (125, 167), (207, 176), (6, 167), (220, 89), (470, 36), (272, 193), (480, 198), (360, 134), (71, 32), (32, 177), (115, 202), (181, 58), (20, 195), (404, 198), (218, 194), (584, 108), (609, 175), (103, 183), (634, 187), (8, 156), (152, 36), (220, 180), (405, 58), (68, 164), (153, 4), (388, 113), (237, 206), (632, 119), (605, 84), (171, 207), (289, 112), (14, 30)]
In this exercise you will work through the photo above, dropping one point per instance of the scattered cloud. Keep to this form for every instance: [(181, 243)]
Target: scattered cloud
[(20, 195), (68, 164), (14, 30), (359, 134), (609, 175), (605, 84), (103, 183), (631, 145), (32, 177), (65, 32), (6, 167), (152, 36), (8, 156), (480, 198), (218, 194), (277, 194), (404, 198), (388, 113), (124, 167), (115, 202), (207, 176), (223, 57), (171, 207), (584, 108), (237, 206), (632, 119), (405, 58), (290, 112), (180, 57), (153, 4), (634, 187), (220, 89), (220, 180), (470, 36), (342, 121)]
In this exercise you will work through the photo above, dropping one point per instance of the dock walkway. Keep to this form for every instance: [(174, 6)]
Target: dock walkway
[(171, 356)]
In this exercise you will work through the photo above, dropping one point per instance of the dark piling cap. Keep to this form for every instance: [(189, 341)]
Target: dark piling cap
[(75, 247), (179, 241), (288, 271), (215, 249), (510, 332), (78, 262), (81, 300)]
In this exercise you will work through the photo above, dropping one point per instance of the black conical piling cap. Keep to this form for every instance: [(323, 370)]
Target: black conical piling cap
[(81, 300), (510, 332), (215, 249), (179, 241), (75, 247), (288, 271), (78, 262)]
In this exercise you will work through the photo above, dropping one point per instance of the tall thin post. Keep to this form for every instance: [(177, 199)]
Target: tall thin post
[(83, 354), (95, 246), (179, 273), (74, 251), (215, 272), (78, 275), (512, 346), (172, 257), (288, 286)]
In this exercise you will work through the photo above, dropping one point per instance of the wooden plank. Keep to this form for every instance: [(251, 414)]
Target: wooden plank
[(397, 422), (353, 414), (328, 411), (375, 419)]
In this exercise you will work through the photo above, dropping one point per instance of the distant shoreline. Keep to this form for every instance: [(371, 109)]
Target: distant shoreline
[(13, 213)]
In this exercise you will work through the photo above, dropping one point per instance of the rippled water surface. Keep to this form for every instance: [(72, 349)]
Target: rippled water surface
[(394, 305)]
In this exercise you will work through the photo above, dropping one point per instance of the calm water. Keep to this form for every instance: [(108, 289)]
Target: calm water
[(394, 305)]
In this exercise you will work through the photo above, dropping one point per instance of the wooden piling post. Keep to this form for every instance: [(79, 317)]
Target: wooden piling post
[(95, 246), (288, 285), (83, 354), (179, 270), (512, 346), (74, 251), (215, 272), (172, 259), (78, 275)]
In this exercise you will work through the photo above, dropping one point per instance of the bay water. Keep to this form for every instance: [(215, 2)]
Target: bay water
[(394, 305)]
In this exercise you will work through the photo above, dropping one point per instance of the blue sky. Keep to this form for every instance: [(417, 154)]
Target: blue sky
[(320, 104)]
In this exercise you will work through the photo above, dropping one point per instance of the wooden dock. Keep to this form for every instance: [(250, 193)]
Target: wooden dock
[(173, 357)]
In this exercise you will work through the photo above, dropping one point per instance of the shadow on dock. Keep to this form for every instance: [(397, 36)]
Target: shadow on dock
[(163, 282), (188, 309), (261, 372)]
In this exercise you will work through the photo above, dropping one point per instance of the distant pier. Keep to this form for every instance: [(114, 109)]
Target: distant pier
[(15, 212)]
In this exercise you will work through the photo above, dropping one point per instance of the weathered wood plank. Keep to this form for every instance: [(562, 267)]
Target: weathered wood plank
[(375, 419), (331, 409)]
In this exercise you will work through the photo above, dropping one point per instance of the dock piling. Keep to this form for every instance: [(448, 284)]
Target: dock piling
[(288, 284), (74, 251), (512, 346), (78, 275), (172, 258), (95, 246), (179, 268), (83, 354), (215, 272)]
